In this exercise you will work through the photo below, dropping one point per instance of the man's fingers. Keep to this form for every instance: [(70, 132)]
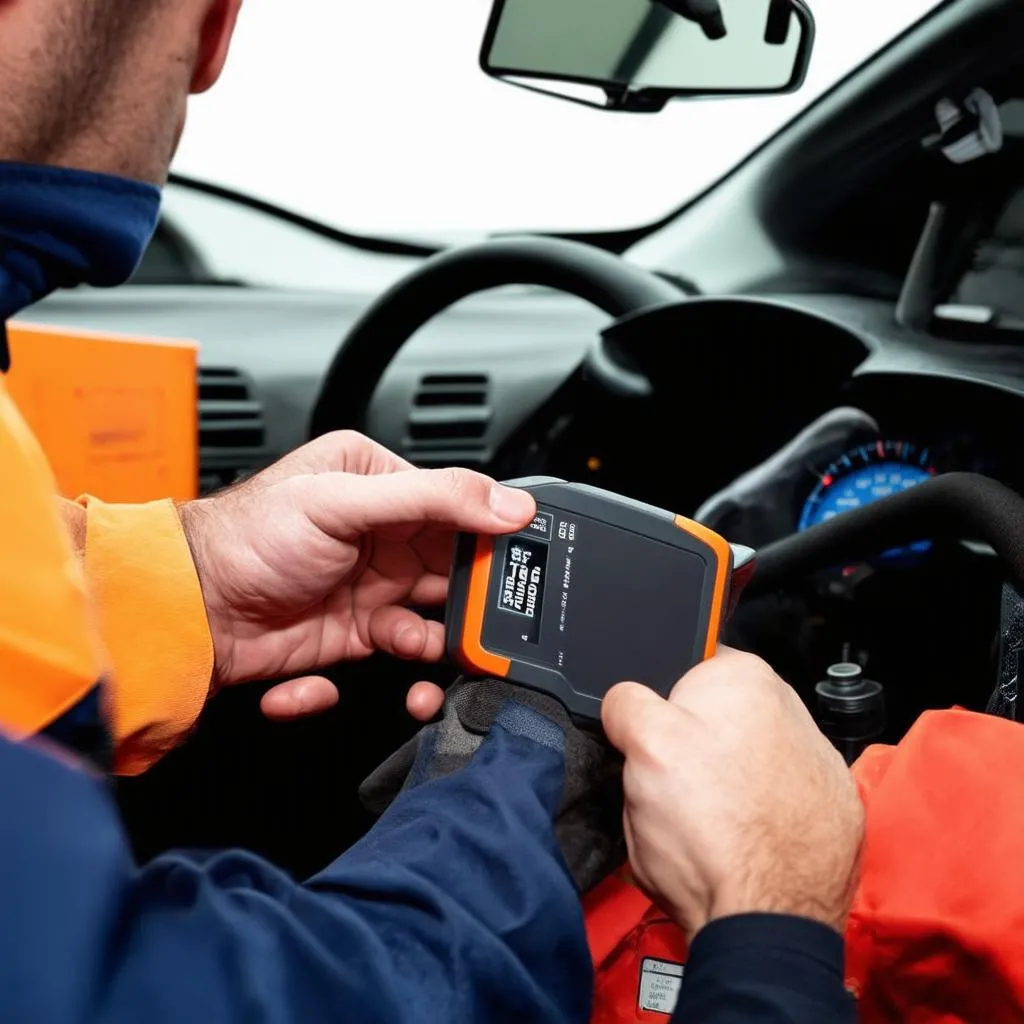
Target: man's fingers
[(424, 701), (727, 664), (299, 698), (404, 634), (631, 715), (342, 451), (345, 505), (429, 589), (434, 548)]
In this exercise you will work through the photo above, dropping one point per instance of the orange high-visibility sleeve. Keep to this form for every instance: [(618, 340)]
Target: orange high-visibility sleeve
[(149, 604), (50, 657)]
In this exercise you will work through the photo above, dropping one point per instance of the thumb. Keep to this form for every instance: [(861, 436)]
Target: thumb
[(632, 715), (459, 499)]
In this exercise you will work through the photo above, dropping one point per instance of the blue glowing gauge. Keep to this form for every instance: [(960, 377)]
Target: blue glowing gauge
[(864, 475)]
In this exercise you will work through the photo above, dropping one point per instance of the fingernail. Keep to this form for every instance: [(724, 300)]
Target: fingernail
[(511, 504)]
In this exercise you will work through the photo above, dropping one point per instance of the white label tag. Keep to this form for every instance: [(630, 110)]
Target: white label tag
[(660, 981)]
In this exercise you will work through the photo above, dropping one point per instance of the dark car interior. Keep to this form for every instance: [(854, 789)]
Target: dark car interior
[(839, 319)]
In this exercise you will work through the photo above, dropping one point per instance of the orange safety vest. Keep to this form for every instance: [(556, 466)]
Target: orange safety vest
[(50, 658), (134, 586), (936, 934)]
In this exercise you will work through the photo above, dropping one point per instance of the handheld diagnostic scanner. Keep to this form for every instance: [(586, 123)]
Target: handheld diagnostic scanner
[(596, 590)]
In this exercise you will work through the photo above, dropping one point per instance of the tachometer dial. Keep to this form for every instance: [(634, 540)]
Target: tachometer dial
[(864, 475)]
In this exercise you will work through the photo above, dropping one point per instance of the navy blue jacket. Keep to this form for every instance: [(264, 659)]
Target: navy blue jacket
[(765, 969), (456, 907)]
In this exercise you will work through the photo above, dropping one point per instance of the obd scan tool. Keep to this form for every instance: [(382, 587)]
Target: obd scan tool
[(596, 590)]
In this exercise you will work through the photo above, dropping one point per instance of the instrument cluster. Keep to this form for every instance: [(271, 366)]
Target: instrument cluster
[(874, 470)]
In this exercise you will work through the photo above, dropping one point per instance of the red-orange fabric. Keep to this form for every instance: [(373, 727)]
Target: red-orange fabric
[(936, 935), (624, 928)]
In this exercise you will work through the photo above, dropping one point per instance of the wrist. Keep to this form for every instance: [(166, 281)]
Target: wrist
[(828, 911), (193, 515)]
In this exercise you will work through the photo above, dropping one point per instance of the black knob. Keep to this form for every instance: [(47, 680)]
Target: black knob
[(851, 709)]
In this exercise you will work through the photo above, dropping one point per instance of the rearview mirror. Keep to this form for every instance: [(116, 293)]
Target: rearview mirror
[(636, 55)]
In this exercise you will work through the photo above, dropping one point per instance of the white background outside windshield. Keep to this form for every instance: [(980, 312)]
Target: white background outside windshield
[(375, 117)]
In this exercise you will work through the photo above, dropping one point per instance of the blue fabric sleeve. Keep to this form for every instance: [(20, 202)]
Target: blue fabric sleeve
[(457, 907), (765, 969)]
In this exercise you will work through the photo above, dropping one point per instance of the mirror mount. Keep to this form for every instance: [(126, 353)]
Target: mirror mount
[(780, 18), (706, 13), (623, 101), (635, 101)]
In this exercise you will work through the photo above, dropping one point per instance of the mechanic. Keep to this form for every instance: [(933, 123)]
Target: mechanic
[(438, 914)]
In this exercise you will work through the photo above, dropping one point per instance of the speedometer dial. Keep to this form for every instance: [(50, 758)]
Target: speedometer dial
[(864, 475)]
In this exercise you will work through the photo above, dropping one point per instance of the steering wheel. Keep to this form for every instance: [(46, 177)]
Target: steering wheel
[(604, 280)]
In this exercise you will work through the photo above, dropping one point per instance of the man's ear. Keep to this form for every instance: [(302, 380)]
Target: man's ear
[(214, 42)]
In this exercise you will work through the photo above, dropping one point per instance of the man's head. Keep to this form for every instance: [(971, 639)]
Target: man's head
[(102, 85)]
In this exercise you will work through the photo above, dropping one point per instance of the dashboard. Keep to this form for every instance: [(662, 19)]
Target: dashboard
[(723, 411), (498, 383), (505, 382)]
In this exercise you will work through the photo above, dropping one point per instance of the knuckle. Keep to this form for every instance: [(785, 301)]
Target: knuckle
[(340, 449), (753, 666), (620, 713), (460, 484), (449, 480), (754, 673), (611, 710), (614, 698), (350, 449), (342, 438)]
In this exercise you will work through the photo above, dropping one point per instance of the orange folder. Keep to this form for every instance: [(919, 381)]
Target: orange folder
[(116, 416)]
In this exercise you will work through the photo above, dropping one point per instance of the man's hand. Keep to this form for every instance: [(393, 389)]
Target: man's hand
[(317, 559), (735, 802)]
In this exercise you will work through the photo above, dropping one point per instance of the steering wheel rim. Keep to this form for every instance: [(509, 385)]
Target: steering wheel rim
[(600, 278)]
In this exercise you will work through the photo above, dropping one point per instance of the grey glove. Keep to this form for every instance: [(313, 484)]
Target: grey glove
[(588, 824)]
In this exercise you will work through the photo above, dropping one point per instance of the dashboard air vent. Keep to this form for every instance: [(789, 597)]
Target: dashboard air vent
[(232, 432), (449, 419)]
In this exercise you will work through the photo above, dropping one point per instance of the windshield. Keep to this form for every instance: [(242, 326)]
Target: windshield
[(375, 117)]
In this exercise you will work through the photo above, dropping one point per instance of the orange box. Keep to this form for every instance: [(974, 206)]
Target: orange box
[(117, 416)]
